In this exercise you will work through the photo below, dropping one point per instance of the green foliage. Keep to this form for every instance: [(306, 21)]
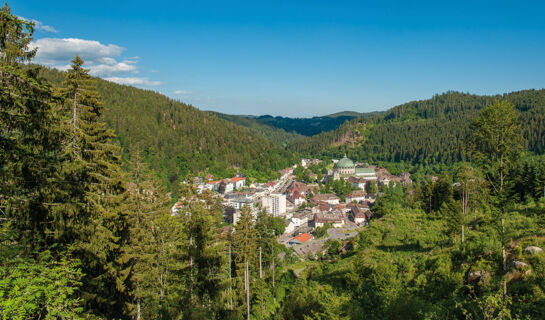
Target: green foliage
[(40, 289), (175, 137), (271, 132), (321, 232), (427, 134)]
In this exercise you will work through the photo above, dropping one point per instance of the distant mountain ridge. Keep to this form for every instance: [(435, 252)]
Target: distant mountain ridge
[(430, 131), (298, 126)]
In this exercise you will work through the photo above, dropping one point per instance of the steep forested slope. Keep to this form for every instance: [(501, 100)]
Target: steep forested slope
[(277, 135), (428, 131), (177, 138)]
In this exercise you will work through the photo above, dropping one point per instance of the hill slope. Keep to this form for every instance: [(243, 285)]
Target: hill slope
[(295, 127), (176, 138), (424, 132), (277, 135)]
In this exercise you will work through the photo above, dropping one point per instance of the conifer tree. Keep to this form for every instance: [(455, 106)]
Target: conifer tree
[(155, 239), (244, 243), (203, 253), (29, 136), (95, 220)]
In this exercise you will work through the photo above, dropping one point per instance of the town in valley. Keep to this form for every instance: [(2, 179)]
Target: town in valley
[(313, 211)]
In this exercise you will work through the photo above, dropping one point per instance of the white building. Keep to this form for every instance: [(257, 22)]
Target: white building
[(274, 203), (357, 195)]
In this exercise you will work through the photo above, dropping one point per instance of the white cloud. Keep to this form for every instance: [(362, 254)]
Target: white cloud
[(40, 26), (134, 81), (101, 59), (182, 92), (52, 51)]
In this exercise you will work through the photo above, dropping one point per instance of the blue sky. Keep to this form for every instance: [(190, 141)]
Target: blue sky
[(298, 58)]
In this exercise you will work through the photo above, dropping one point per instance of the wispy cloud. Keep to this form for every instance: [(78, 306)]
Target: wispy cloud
[(40, 26), (102, 59), (182, 92), (133, 81)]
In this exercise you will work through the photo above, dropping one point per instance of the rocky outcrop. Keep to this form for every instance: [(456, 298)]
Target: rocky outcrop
[(533, 250)]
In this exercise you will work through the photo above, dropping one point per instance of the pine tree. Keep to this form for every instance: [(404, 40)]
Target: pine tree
[(97, 223)]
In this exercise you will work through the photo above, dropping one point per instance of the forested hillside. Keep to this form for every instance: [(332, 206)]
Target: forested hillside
[(277, 135), (176, 138), (425, 132), (312, 126)]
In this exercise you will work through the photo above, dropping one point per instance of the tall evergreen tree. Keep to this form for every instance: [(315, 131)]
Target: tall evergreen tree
[(29, 136), (96, 223)]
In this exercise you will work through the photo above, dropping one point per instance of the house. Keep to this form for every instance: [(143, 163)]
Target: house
[(213, 185), (361, 215), (238, 182), (297, 220), (225, 185), (357, 195), (296, 193), (336, 219), (297, 199), (300, 239), (358, 182), (330, 198), (322, 206)]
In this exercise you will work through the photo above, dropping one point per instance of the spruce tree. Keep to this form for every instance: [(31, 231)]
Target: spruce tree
[(156, 238), (96, 226), (30, 137)]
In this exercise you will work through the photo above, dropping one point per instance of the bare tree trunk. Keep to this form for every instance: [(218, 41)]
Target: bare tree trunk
[(504, 255), (247, 276), (462, 232), (138, 310)]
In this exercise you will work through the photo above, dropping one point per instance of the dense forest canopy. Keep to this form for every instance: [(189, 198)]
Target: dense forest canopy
[(426, 132), (177, 139)]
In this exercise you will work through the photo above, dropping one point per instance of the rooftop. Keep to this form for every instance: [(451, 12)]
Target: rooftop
[(345, 163), (302, 238)]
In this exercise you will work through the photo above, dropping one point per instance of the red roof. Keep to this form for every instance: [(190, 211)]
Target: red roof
[(235, 179), (303, 237), (214, 182)]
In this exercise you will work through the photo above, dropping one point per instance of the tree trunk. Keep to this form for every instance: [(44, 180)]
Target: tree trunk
[(463, 233), (247, 286), (138, 310)]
